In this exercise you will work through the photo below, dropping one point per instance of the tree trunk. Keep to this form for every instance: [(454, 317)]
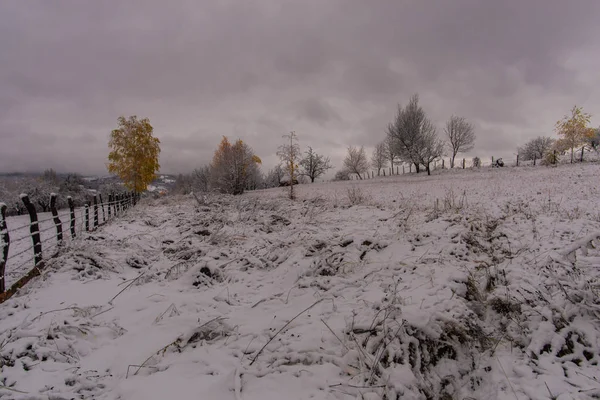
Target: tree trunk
[(417, 167), (572, 151), (428, 168), (378, 171), (312, 179), (452, 161)]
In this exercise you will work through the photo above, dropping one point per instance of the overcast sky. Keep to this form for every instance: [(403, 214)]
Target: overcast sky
[(332, 70)]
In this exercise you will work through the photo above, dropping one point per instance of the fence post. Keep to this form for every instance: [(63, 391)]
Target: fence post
[(72, 210), (56, 219), (402, 169), (517, 160), (102, 204), (492, 161), (5, 241), (534, 159), (383, 171), (443, 164), (554, 158), (409, 168), (134, 199), (463, 163), (114, 201), (95, 212), (109, 204), (87, 216), (582, 153), (34, 229)]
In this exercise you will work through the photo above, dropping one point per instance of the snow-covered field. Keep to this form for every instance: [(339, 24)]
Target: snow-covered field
[(474, 284)]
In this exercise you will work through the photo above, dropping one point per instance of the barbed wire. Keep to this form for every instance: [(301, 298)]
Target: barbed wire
[(81, 217)]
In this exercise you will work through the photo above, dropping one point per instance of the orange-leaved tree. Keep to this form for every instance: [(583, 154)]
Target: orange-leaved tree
[(134, 153), (232, 167), (573, 129)]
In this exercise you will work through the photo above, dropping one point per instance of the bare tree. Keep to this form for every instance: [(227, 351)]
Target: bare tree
[(314, 165), (461, 136), (356, 161), (274, 177), (379, 159), (405, 132), (201, 179), (429, 147), (289, 154), (536, 148), (390, 151)]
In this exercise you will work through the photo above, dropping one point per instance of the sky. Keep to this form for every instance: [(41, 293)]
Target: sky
[(332, 71)]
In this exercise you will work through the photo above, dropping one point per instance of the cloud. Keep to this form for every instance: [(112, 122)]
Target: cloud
[(332, 71)]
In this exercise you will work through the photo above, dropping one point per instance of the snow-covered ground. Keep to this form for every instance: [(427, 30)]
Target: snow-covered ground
[(474, 284)]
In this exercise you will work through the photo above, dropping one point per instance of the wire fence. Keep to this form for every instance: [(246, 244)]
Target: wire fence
[(555, 158), (27, 241)]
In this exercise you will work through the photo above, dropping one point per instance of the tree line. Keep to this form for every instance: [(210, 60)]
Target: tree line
[(235, 168), (412, 138), (573, 132)]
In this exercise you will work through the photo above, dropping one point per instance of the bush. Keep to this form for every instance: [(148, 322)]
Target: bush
[(356, 196), (476, 162), (342, 175)]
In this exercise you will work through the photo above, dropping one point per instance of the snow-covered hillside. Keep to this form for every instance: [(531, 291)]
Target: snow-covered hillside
[(470, 284)]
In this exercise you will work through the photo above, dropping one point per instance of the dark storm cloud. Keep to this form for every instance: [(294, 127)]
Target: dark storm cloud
[(332, 71)]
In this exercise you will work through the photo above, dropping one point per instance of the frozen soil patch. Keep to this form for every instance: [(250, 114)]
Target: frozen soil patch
[(467, 285)]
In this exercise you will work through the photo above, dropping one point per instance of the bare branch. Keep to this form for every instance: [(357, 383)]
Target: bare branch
[(461, 136)]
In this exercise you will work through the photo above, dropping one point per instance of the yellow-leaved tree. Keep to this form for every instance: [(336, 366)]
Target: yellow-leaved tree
[(234, 167), (573, 129), (134, 153)]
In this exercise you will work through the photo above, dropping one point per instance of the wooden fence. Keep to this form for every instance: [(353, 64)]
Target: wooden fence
[(29, 245)]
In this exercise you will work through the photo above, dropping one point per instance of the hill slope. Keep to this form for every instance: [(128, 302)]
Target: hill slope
[(469, 284)]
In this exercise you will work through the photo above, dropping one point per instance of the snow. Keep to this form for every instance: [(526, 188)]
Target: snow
[(459, 285)]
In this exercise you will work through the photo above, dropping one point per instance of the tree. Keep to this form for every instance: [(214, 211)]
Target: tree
[(573, 128), (356, 161), (379, 158), (50, 176), (230, 167), (429, 147), (406, 130), (289, 154), (413, 136), (201, 179), (461, 136), (314, 165), (390, 151), (536, 148), (594, 139), (255, 178), (274, 177), (134, 153)]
